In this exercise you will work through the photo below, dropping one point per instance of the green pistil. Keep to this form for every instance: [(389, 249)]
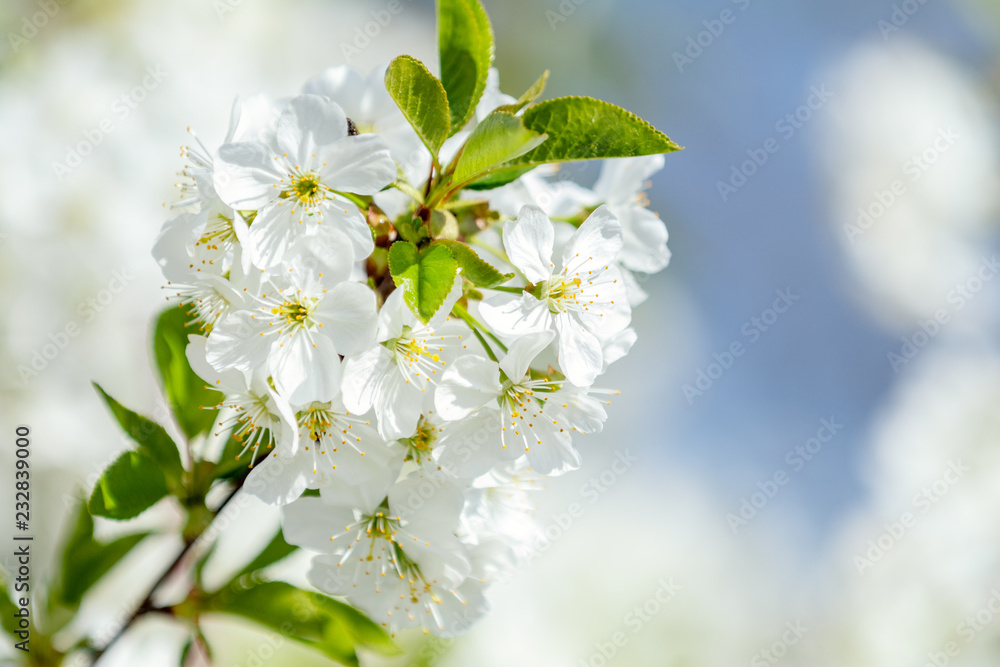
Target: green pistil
[(419, 446)]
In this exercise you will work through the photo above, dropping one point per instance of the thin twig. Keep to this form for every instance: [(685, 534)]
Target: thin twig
[(146, 605)]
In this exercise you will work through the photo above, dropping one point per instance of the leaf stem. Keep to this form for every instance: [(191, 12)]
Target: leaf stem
[(474, 325), (478, 327), (409, 190)]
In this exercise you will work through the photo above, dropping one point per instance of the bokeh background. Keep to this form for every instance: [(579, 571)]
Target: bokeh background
[(842, 154)]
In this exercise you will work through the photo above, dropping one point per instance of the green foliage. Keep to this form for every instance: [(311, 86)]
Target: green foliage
[(150, 436), (465, 43), (315, 620), (582, 128), (477, 270), (529, 96), (422, 100), (426, 276), (499, 177), (186, 392), (501, 137), (85, 560), (7, 610), (128, 487)]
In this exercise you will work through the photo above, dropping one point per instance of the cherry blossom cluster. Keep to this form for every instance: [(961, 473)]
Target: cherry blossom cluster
[(402, 449)]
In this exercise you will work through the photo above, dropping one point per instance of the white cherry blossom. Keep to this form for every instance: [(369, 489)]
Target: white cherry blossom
[(302, 319), (296, 182), (581, 300), (395, 556), (398, 373), (534, 414)]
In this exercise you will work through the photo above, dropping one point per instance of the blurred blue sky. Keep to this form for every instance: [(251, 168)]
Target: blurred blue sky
[(825, 357)]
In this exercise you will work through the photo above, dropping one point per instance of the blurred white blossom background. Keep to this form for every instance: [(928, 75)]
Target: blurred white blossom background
[(651, 534)]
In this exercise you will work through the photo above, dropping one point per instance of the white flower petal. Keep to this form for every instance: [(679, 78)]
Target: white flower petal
[(342, 84), (349, 317), (228, 381), (622, 179), (305, 367), (645, 235), (362, 377), (554, 457), (580, 356), (277, 480), (528, 241), (246, 174), (369, 494), (273, 232), (360, 164), (470, 382), (235, 343), (471, 446), (393, 316), (398, 406), (311, 523), (170, 250), (617, 346), (596, 243), (343, 216), (309, 125), (515, 315), (522, 352)]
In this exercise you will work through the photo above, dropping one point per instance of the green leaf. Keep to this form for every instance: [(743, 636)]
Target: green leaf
[(501, 137), (465, 42), (149, 435), (129, 486), (530, 95), (582, 128), (331, 627), (186, 651), (186, 392), (499, 177), (480, 272), (85, 560), (276, 550), (7, 610), (426, 276), (422, 100)]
